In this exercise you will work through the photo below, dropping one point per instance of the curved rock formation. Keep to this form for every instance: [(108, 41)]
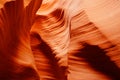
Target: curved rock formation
[(59, 40)]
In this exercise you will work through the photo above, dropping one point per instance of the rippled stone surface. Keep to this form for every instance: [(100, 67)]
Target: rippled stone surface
[(59, 40)]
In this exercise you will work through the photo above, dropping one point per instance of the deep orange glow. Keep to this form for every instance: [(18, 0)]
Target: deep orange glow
[(59, 40)]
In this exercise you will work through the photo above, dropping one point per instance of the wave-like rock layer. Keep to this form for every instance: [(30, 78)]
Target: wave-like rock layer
[(59, 40)]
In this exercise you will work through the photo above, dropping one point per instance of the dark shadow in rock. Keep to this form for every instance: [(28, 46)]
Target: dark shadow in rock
[(99, 61)]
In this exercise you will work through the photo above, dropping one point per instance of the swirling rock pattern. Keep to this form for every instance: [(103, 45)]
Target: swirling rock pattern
[(59, 40)]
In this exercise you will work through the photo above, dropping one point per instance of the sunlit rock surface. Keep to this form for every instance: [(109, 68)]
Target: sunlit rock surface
[(59, 40)]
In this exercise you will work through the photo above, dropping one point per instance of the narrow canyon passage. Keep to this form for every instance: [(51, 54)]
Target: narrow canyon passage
[(59, 40)]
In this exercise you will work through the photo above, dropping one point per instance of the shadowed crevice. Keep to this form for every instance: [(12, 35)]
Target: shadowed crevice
[(99, 61), (57, 71)]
